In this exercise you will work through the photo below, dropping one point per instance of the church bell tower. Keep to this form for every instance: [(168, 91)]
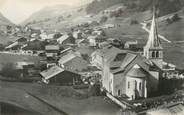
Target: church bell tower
[(153, 49)]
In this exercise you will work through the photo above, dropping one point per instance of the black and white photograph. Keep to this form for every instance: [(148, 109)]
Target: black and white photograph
[(91, 57)]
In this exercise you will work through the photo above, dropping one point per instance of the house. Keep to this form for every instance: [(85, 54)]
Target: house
[(60, 76), (130, 44), (95, 40), (73, 62), (17, 44), (66, 39), (77, 34), (25, 68), (52, 51)]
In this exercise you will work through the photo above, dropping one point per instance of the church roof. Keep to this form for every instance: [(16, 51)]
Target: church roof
[(137, 71), (153, 40)]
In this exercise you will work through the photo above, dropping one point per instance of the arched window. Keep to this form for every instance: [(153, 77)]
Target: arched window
[(135, 84), (153, 54), (157, 54), (119, 92), (128, 85), (140, 86)]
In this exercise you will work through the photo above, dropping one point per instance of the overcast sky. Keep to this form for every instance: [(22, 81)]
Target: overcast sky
[(18, 10)]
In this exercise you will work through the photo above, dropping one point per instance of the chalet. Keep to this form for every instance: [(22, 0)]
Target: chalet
[(66, 39), (25, 68), (77, 34), (17, 44), (95, 40), (130, 44), (52, 51), (74, 62), (60, 76)]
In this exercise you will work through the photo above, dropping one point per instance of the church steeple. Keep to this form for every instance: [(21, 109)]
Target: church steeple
[(153, 40), (153, 49)]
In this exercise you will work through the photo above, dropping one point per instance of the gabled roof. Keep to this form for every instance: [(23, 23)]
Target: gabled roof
[(52, 47), (51, 72), (63, 38), (12, 45), (68, 57), (137, 71)]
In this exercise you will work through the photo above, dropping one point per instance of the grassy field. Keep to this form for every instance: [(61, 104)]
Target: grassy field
[(67, 99), (174, 53)]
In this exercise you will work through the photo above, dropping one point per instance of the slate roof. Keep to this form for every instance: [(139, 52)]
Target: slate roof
[(122, 61), (67, 57), (52, 47), (51, 72), (73, 62), (63, 38), (137, 72)]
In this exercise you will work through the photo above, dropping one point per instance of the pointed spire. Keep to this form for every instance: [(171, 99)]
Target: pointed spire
[(153, 40)]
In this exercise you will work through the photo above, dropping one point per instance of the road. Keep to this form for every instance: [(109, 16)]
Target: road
[(160, 36)]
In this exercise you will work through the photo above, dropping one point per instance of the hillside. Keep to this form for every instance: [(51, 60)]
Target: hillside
[(63, 17), (4, 21), (164, 6), (4, 24), (46, 13)]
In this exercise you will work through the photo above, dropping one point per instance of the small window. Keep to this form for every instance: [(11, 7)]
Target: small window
[(128, 85), (135, 84), (119, 92), (140, 86), (157, 54), (153, 54)]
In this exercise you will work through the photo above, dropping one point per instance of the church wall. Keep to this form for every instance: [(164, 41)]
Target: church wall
[(136, 87)]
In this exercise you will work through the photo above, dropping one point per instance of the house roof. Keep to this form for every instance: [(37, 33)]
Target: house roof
[(12, 45), (51, 72), (67, 57), (52, 47), (19, 65), (63, 38), (73, 62)]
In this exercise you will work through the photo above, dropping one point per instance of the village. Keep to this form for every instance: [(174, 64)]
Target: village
[(131, 74)]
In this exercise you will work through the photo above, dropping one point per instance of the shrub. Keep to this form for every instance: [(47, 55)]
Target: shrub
[(9, 70), (103, 19)]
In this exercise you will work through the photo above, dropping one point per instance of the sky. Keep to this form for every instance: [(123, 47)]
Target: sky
[(19, 10)]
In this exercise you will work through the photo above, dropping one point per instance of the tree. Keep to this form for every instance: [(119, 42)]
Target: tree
[(9, 70), (103, 19)]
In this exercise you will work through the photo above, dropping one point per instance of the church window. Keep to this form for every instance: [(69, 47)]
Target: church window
[(140, 86), (135, 84), (153, 54), (128, 85), (157, 54), (119, 92)]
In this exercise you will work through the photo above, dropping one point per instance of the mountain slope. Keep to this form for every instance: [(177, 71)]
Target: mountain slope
[(47, 13), (164, 6), (4, 21), (4, 24)]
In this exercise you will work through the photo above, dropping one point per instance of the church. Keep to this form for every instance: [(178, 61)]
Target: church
[(129, 74)]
